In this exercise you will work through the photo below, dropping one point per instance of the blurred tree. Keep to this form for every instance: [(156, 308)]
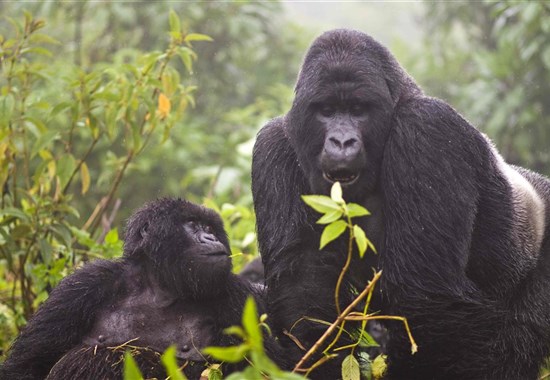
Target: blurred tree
[(244, 79), (491, 60)]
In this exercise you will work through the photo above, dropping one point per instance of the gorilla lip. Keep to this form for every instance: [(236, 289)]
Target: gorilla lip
[(215, 253), (343, 177)]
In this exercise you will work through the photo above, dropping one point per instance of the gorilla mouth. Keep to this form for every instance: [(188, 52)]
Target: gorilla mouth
[(215, 253), (343, 176)]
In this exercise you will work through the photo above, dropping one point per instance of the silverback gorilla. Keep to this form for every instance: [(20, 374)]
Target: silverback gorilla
[(173, 286), (462, 236)]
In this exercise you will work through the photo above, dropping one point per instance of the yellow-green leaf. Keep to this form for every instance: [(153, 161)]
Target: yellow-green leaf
[(251, 323), (232, 354), (85, 177), (174, 21), (360, 240), (332, 231), (330, 217), (171, 364), (350, 368), (197, 37), (321, 203), (355, 210), (379, 367), (131, 370)]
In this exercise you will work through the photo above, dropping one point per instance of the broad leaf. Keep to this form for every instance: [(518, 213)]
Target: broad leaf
[(350, 368), (171, 364), (360, 240), (321, 203), (332, 231), (251, 323), (355, 210), (174, 22), (379, 367), (131, 370), (330, 217), (233, 354)]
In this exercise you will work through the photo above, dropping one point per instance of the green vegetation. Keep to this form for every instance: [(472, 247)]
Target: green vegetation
[(105, 105)]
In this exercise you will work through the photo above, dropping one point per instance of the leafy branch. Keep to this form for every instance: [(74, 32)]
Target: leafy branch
[(337, 218)]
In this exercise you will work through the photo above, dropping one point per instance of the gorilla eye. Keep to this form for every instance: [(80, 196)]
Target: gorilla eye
[(358, 110), (192, 224), (327, 110)]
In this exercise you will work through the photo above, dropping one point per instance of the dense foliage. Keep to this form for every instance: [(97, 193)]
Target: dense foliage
[(105, 105), (78, 110)]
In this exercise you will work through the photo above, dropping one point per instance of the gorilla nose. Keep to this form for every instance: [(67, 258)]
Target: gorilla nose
[(207, 238), (347, 146), (342, 146), (343, 157)]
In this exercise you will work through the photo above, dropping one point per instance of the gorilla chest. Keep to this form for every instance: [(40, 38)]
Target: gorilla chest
[(156, 324)]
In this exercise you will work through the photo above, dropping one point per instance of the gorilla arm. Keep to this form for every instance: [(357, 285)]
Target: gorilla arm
[(62, 321), (451, 263), (300, 278)]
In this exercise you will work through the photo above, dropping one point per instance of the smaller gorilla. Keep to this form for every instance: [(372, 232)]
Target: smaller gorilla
[(254, 271), (173, 285)]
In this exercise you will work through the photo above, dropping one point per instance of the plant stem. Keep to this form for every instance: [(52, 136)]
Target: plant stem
[(337, 322)]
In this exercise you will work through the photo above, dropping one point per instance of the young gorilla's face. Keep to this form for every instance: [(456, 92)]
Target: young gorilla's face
[(186, 243)]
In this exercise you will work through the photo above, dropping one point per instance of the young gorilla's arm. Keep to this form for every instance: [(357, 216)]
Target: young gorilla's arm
[(62, 321)]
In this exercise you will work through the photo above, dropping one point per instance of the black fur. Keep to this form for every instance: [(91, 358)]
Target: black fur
[(464, 252), (173, 286)]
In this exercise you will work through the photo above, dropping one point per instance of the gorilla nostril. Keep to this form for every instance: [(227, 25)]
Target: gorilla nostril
[(336, 142), (350, 143), (207, 238)]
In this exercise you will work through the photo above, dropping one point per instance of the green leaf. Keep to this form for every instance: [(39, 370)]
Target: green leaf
[(235, 330), (65, 167), (233, 354), (251, 323), (197, 37), (366, 340), (15, 212), (112, 236), (175, 25), (330, 217), (350, 368), (249, 373), (336, 193), (379, 367), (332, 231), (131, 370), (355, 210), (171, 364), (7, 106), (214, 372), (85, 178), (287, 376), (360, 240), (45, 251), (43, 141), (321, 203), (186, 59)]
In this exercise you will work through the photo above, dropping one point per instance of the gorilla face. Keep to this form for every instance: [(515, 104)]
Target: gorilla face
[(341, 117), (186, 244)]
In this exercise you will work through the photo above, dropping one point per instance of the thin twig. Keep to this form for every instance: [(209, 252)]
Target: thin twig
[(337, 322)]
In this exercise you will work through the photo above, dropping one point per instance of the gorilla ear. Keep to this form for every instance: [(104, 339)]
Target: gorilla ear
[(143, 231)]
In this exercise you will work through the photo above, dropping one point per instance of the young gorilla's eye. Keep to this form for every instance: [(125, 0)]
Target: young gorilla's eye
[(191, 224)]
